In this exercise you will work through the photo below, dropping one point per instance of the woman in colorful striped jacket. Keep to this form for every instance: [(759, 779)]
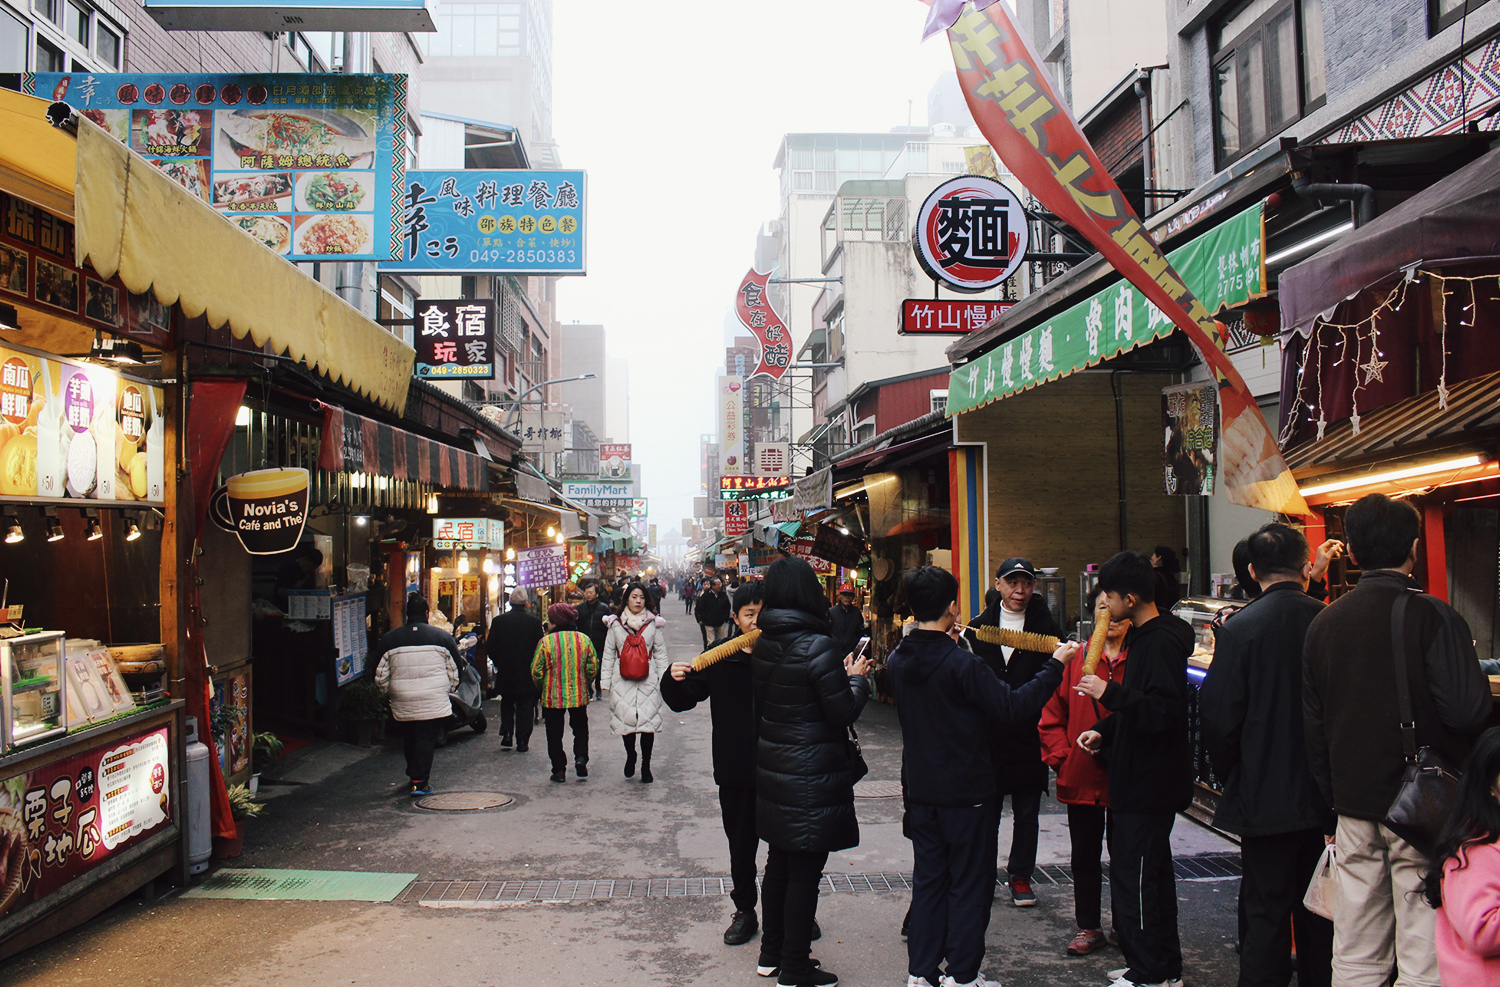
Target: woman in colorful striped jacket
[(563, 666)]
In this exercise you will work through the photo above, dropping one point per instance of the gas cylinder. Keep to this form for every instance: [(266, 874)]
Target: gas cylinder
[(200, 844)]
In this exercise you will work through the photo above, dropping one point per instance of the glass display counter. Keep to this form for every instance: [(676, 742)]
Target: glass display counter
[(31, 676)]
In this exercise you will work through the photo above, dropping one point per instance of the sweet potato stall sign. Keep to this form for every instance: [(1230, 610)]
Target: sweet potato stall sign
[(1029, 126)]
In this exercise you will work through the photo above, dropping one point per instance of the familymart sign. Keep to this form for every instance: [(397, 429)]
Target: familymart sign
[(1223, 267)]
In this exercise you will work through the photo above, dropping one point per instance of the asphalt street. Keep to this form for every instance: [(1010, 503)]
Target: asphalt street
[(344, 808)]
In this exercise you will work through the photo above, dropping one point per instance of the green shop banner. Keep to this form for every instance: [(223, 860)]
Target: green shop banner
[(1224, 267)]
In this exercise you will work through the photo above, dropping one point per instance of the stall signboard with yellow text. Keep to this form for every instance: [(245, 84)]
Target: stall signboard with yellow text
[(78, 431), (313, 166)]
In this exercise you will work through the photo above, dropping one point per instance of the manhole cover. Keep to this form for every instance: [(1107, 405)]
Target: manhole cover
[(464, 801), (877, 790)]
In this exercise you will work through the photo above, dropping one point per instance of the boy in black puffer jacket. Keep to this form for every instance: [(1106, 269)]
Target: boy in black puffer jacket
[(945, 697)]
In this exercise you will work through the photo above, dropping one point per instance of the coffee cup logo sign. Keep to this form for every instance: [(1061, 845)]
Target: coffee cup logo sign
[(266, 509)]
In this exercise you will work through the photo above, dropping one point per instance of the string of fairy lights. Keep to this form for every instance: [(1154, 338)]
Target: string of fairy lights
[(1365, 335)]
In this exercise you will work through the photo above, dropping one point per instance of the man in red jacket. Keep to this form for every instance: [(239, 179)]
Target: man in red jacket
[(1083, 785)]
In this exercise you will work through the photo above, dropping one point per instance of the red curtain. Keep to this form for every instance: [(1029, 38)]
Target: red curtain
[(212, 407)]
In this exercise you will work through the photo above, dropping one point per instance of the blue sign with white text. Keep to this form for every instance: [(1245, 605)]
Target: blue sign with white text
[(494, 222)]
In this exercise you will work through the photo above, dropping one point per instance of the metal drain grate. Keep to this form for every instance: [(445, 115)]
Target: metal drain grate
[(271, 884), (464, 801), (877, 789), (1205, 867)]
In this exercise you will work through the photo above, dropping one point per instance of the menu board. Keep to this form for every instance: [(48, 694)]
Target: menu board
[(349, 637), (313, 166), (546, 565), (78, 431), (68, 817)]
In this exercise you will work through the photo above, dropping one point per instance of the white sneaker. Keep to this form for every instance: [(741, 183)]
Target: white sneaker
[(1117, 979), (979, 981), (914, 981)]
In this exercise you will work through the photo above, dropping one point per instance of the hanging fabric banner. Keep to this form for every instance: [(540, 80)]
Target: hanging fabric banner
[(1036, 137), (755, 311)]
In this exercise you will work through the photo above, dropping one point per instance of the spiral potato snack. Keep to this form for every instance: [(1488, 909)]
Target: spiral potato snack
[(1096, 641), (724, 650), (1024, 640)]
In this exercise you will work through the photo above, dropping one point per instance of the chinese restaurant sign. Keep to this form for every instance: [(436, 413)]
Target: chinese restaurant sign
[(78, 431), (39, 276), (755, 487), (757, 315), (946, 316), (1190, 422), (495, 222), (1222, 267), (455, 338), (971, 233), (736, 518), (65, 818), (310, 165), (544, 566)]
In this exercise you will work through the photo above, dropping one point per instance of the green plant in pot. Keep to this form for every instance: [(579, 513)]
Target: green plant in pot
[(265, 752), (362, 704)]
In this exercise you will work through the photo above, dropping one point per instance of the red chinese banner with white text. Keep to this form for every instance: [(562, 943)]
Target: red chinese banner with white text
[(755, 311), (1030, 127)]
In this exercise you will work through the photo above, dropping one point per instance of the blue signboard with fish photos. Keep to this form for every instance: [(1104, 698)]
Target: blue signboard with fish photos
[(494, 222), (312, 166)]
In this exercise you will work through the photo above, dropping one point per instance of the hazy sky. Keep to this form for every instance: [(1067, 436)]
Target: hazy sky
[(676, 110)]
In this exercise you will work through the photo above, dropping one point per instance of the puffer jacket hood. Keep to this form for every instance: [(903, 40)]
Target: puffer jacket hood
[(804, 787)]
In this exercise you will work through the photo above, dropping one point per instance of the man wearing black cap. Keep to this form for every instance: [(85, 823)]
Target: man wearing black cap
[(1016, 749)]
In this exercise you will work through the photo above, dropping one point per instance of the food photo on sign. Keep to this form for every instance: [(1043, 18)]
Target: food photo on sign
[(312, 166)]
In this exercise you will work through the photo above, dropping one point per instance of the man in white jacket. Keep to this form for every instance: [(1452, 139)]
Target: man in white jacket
[(417, 667)]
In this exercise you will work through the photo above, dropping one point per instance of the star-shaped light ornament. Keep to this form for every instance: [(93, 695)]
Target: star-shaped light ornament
[(1374, 368)]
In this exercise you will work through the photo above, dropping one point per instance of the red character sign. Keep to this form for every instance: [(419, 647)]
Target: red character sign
[(755, 311)]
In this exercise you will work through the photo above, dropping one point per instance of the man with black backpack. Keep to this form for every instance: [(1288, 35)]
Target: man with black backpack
[(1358, 653)]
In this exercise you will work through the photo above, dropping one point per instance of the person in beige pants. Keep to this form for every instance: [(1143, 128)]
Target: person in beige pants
[(1379, 914)]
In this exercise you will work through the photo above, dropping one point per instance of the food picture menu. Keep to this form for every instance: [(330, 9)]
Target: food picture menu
[(312, 166), (349, 637)]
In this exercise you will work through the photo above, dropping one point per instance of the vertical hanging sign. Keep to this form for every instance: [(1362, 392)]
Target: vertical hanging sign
[(755, 312), (731, 411)]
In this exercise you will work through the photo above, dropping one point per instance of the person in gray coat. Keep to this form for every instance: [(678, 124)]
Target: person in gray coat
[(416, 665)]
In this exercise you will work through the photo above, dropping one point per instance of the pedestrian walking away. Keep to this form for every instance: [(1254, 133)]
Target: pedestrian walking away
[(1250, 707), (1356, 743), (1015, 748), (808, 697), (712, 608), (1150, 768), (635, 656), (689, 593), (563, 665), (512, 642), (1083, 784), (416, 665), (944, 697), (728, 686)]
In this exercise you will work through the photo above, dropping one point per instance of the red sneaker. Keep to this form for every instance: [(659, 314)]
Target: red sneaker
[(1021, 894), (1086, 942)]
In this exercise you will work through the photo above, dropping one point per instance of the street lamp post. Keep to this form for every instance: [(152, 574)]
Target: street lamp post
[(516, 408)]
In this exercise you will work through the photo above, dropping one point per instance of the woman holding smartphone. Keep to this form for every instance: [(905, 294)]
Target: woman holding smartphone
[(809, 695)]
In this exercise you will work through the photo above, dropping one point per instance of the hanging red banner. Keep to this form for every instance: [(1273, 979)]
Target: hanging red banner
[(1029, 126), (755, 311)]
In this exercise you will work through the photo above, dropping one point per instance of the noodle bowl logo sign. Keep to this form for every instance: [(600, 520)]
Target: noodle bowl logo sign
[(266, 509)]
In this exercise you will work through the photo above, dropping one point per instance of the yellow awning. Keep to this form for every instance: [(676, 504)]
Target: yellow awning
[(36, 159), (135, 221)]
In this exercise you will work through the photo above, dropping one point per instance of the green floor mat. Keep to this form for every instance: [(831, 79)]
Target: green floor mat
[(301, 885)]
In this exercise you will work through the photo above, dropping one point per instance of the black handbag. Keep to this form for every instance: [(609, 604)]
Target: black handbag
[(856, 756), (1429, 783)]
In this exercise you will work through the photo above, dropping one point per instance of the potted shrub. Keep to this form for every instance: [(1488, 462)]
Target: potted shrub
[(363, 705), (265, 751)]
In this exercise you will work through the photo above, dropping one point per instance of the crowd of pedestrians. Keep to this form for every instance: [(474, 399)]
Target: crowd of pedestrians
[(1315, 716)]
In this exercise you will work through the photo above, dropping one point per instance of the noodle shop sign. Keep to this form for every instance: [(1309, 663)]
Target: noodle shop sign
[(312, 166), (273, 15)]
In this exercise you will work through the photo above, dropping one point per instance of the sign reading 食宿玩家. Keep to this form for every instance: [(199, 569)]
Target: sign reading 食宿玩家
[(455, 337), (947, 316), (546, 565), (1223, 267), (495, 222), (312, 166), (275, 15), (971, 233)]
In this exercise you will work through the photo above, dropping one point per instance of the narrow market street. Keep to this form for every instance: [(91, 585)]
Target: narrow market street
[(647, 906)]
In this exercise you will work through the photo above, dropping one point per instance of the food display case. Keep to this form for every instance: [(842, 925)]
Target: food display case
[(1200, 611), (34, 688)]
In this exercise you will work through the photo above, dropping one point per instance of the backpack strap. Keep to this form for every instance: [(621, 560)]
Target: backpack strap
[(1403, 682)]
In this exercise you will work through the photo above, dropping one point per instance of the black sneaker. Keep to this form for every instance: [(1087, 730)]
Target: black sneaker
[(814, 977), (742, 928), (522, 748), (582, 769), (559, 776), (771, 966), (505, 741), (817, 932)]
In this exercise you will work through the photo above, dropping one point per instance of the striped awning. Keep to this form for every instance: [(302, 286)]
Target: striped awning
[(355, 444)]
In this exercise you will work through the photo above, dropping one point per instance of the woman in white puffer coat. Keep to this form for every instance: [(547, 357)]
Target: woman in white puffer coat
[(635, 704)]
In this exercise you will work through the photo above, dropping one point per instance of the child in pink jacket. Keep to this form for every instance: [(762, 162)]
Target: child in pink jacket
[(1465, 878)]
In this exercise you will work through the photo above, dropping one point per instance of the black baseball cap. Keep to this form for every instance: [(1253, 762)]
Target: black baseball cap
[(1013, 567)]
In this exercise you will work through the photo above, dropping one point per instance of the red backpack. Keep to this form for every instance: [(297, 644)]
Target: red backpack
[(635, 657)]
